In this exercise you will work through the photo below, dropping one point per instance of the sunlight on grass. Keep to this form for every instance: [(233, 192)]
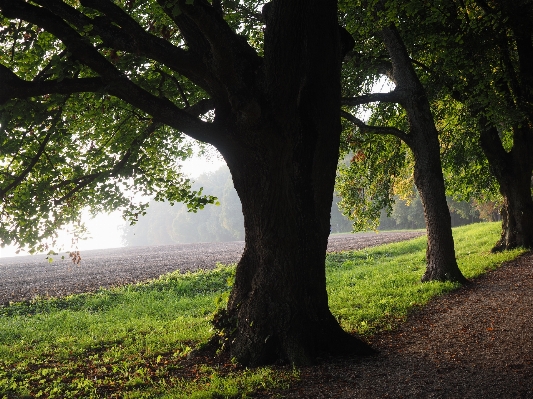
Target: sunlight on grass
[(374, 289), (132, 342)]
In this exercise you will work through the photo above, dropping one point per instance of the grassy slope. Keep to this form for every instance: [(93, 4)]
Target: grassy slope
[(130, 341)]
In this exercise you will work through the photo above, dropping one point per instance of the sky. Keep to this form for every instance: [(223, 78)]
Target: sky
[(105, 229)]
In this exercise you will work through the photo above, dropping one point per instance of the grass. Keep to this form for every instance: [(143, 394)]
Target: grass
[(132, 342), (373, 290)]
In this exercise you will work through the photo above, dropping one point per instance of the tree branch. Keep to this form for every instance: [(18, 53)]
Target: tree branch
[(237, 7), (201, 107), (113, 172), (390, 97), (20, 178), (117, 83), (208, 33), (383, 130), (130, 36), (14, 87), (491, 144)]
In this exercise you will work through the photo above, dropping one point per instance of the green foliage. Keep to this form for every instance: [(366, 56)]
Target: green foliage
[(466, 169), (404, 215), (132, 342), (466, 55), (366, 184), (55, 166), (61, 153)]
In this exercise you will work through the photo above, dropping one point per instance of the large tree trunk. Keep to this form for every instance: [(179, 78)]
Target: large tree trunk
[(284, 172), (423, 141), (279, 300), (513, 170)]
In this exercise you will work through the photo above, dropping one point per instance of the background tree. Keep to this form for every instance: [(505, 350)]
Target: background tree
[(479, 54), (166, 224), (501, 35), (421, 138), (271, 107)]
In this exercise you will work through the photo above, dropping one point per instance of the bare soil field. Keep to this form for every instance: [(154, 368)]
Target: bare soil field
[(26, 277)]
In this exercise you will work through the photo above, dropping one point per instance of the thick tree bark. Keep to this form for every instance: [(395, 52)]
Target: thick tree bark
[(279, 305), (423, 141), (513, 170), (283, 169)]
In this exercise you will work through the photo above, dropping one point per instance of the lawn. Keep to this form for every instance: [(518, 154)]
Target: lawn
[(133, 341)]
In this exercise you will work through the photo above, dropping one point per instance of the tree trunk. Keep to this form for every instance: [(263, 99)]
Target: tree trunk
[(283, 168), (440, 251), (278, 308), (517, 220), (513, 170), (423, 141)]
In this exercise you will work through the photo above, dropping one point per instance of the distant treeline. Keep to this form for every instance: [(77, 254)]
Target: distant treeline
[(165, 224)]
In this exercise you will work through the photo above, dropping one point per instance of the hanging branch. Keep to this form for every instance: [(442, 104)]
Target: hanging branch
[(383, 130)]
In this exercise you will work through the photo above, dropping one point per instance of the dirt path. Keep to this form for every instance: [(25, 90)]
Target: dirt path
[(25, 277), (476, 342)]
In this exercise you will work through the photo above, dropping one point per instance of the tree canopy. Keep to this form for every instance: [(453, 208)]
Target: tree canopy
[(68, 138)]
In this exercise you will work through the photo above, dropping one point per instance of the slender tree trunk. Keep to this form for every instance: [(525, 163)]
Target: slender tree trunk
[(423, 141), (513, 170), (440, 251)]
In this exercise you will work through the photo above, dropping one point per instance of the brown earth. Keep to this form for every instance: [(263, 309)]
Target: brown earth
[(476, 342), (26, 277)]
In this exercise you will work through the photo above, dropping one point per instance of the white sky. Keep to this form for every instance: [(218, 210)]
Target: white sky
[(104, 229)]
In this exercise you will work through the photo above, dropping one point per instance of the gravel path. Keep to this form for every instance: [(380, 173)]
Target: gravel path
[(25, 277), (474, 343)]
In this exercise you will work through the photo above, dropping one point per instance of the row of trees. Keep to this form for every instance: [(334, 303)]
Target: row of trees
[(460, 71), (97, 96)]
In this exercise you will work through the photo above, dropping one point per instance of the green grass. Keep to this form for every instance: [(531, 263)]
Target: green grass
[(131, 342), (374, 289)]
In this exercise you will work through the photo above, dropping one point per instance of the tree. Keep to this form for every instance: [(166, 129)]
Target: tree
[(422, 139), (507, 59), (272, 111), (478, 53)]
